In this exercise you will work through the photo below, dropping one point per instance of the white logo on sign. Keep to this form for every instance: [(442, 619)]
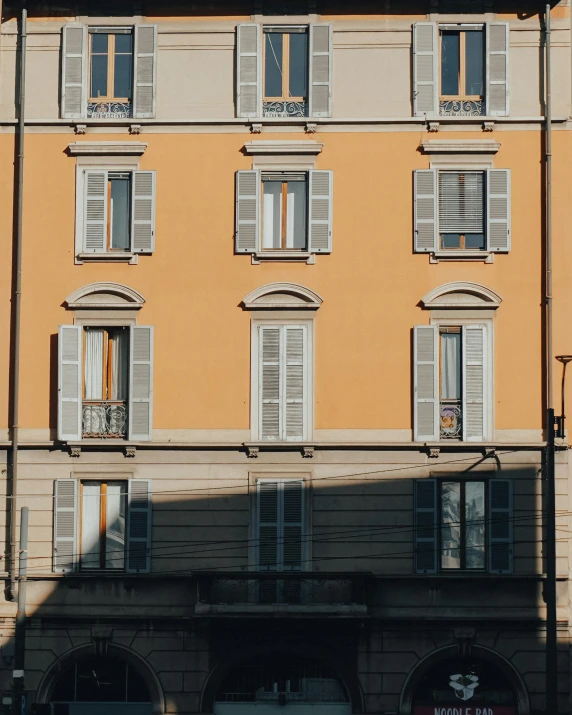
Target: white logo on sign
[(464, 685)]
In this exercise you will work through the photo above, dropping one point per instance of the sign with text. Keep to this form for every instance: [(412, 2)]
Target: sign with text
[(463, 710)]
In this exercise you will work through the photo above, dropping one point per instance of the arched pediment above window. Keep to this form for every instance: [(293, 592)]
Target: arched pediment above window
[(105, 295), (282, 296), (461, 294)]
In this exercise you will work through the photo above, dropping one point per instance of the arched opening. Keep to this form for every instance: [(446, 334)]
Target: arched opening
[(291, 686)]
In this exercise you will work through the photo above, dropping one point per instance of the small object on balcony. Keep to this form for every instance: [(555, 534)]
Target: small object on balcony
[(450, 426)]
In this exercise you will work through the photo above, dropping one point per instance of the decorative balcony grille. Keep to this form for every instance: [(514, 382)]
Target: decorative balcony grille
[(462, 108), (450, 420), (286, 588), (109, 110), (104, 419), (285, 109)]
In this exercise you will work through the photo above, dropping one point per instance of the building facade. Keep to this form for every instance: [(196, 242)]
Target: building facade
[(281, 355)]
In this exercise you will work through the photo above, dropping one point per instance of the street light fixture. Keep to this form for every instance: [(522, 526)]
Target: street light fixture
[(564, 359)]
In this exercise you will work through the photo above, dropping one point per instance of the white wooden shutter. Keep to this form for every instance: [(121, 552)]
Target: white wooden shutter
[(141, 382), (320, 192), (500, 526), (268, 526), (74, 72), (65, 525), (139, 525), (248, 71), (425, 210), (320, 71), (294, 382), (498, 209), (474, 383), (269, 383), (425, 69), (425, 495), (498, 43), (143, 212), (95, 212), (69, 382), (292, 532), (145, 71), (247, 229), (426, 383)]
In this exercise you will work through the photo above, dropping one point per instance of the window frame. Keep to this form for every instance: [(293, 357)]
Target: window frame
[(462, 30), (111, 32), (285, 31), (103, 484)]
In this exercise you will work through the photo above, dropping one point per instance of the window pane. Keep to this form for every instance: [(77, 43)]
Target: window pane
[(450, 525), (475, 525), (474, 61), (99, 42), (119, 210), (98, 76), (123, 76), (273, 62), (119, 364), (298, 64), (93, 370), (124, 43), (115, 526), (90, 525), (296, 215), (272, 215), (474, 240), (450, 366), (450, 63), (450, 240)]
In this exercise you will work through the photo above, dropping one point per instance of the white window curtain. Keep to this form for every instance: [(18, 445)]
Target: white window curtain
[(296, 219), (115, 526), (94, 364), (119, 366), (451, 366), (272, 215), (90, 525)]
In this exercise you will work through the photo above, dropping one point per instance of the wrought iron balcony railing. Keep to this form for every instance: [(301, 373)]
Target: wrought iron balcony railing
[(285, 109), (109, 110), (104, 419), (450, 419), (462, 108), (285, 590)]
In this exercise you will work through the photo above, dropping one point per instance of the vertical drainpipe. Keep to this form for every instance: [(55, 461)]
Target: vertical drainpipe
[(17, 297), (548, 208)]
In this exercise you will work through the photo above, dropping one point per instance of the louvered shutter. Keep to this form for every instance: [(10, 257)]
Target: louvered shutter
[(95, 212), (498, 209), (497, 98), (474, 381), (320, 71), (320, 211), (65, 525), (143, 212), (141, 383), (500, 526), (268, 525), (425, 69), (294, 383), (426, 383), (247, 229), (425, 525), (145, 71), (425, 210), (293, 525), (139, 525), (269, 383), (248, 71), (69, 382), (74, 72)]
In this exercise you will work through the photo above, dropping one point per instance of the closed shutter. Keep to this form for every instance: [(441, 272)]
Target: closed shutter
[(294, 379), (498, 40), (65, 526), (320, 211), (293, 525), (498, 209), (74, 72), (425, 69), (500, 526), (269, 383), (425, 210), (426, 383), (141, 383), (425, 525), (139, 525), (145, 71), (268, 526), (95, 212), (474, 382), (248, 71), (69, 382), (320, 71), (143, 212), (247, 229)]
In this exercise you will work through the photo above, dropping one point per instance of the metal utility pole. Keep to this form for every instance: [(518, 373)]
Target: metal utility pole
[(20, 638)]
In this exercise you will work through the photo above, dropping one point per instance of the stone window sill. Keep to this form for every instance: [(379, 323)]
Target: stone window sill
[(283, 256), (484, 256), (111, 257)]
